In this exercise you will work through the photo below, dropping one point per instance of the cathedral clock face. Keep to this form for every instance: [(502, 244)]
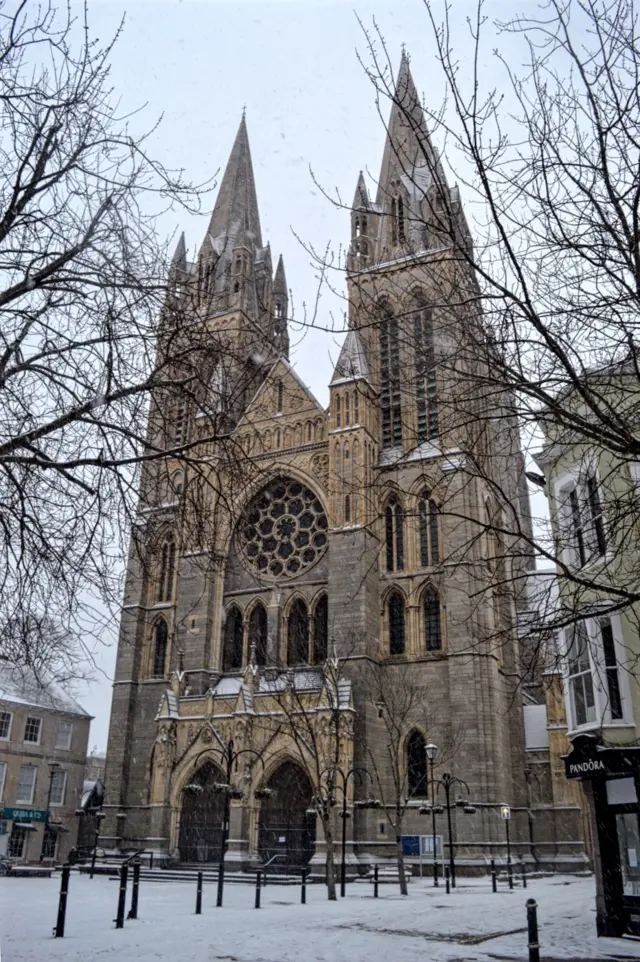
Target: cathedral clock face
[(283, 531)]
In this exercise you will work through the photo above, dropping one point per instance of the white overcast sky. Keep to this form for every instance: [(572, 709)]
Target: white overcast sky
[(309, 104)]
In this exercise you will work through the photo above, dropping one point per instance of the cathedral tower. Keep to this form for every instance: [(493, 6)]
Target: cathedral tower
[(296, 538)]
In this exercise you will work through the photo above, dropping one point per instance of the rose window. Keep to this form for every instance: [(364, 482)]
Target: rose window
[(284, 530)]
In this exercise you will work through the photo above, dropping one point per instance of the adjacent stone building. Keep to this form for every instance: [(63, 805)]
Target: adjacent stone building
[(310, 536), (43, 748), (593, 498)]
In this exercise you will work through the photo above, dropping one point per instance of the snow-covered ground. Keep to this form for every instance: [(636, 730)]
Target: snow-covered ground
[(470, 924)]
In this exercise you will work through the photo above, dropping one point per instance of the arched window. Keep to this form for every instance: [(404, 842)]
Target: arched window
[(167, 571), (279, 311), (401, 231), (278, 438), (347, 413), (160, 641), (394, 535), (395, 610), (394, 221), (180, 425), (432, 619), (321, 631), (390, 397), (428, 527), (426, 386), (358, 229), (280, 400), (308, 430), (355, 406), (337, 410), (346, 468), (298, 634), (232, 649), (258, 634), (417, 766), (355, 454)]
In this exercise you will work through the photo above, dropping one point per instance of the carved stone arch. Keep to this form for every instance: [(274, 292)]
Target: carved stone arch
[(393, 511), (415, 760), (286, 814), (298, 630), (319, 617), (155, 643), (389, 590), (394, 619), (431, 616), (201, 808), (232, 638), (256, 627)]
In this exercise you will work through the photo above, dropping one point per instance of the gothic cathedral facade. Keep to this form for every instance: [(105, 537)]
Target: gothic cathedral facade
[(306, 537)]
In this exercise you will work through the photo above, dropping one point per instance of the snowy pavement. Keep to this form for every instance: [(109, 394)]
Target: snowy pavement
[(470, 925)]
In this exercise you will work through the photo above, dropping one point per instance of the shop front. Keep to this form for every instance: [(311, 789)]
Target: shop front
[(611, 780)]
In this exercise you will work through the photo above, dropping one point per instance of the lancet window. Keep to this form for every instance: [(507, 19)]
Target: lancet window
[(390, 397), (426, 386)]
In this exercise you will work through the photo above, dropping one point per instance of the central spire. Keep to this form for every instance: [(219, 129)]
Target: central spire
[(235, 220)]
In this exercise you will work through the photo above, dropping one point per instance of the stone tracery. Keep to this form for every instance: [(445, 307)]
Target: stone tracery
[(284, 530)]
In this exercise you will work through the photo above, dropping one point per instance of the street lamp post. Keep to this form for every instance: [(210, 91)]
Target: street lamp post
[(431, 751), (53, 768), (447, 782), (98, 817), (343, 786)]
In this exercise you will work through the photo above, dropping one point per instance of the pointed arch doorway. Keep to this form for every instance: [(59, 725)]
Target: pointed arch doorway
[(287, 828), (201, 816)]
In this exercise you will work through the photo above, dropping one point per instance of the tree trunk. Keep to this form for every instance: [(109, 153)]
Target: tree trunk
[(402, 875), (330, 865)]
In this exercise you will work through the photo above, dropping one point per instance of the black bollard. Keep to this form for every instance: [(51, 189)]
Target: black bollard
[(58, 932), (447, 880), (199, 895), (532, 926), (122, 896), (494, 878), (303, 891), (524, 875), (133, 911), (375, 881), (510, 874), (151, 860), (258, 884)]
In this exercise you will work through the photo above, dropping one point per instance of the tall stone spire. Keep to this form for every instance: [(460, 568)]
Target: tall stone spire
[(408, 151), (235, 220), (280, 280), (361, 197), (280, 310)]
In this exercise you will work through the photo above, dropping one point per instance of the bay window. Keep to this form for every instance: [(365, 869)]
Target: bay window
[(597, 687), (581, 523)]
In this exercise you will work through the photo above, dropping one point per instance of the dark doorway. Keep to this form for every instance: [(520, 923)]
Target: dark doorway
[(201, 816), (287, 829)]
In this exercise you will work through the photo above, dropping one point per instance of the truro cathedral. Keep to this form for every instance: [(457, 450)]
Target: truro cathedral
[(313, 590)]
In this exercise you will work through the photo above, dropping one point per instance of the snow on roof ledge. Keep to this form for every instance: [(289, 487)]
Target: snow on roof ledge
[(22, 686)]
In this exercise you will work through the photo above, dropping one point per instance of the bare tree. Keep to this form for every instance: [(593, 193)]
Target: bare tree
[(318, 721), (97, 331), (404, 706)]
